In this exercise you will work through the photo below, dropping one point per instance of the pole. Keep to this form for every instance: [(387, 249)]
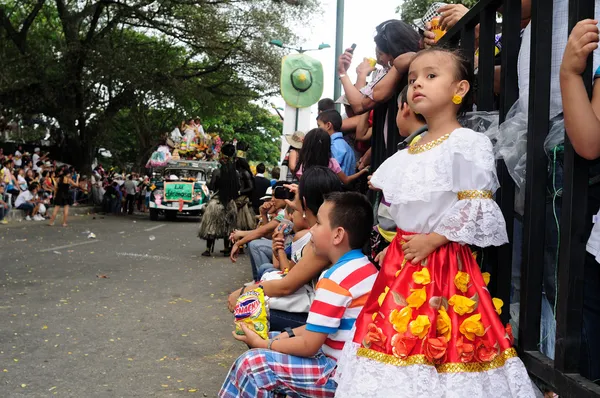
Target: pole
[(339, 49)]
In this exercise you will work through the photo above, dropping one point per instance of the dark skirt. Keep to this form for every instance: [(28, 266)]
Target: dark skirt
[(63, 199), (218, 221)]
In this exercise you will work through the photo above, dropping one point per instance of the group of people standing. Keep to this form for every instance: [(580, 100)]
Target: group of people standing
[(237, 195)]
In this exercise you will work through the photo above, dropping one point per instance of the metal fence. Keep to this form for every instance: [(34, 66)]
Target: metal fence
[(561, 374)]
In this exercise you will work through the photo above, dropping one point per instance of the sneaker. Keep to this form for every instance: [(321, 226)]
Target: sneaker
[(37, 217), (28, 218), (4, 222)]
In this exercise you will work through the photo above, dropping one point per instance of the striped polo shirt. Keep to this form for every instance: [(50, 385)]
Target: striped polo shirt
[(341, 293)]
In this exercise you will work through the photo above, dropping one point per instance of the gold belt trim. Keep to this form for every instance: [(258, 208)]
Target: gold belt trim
[(420, 359), (475, 194)]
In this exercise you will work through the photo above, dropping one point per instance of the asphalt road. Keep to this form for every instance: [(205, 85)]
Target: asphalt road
[(155, 326)]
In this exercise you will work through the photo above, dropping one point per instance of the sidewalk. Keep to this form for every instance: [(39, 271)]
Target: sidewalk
[(16, 215)]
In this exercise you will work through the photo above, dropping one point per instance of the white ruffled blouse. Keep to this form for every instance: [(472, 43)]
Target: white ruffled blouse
[(445, 187)]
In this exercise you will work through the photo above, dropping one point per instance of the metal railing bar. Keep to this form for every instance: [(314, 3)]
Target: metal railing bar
[(535, 189), (509, 93), (485, 74), (571, 260), (565, 384)]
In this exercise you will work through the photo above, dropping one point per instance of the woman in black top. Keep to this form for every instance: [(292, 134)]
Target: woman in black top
[(62, 198)]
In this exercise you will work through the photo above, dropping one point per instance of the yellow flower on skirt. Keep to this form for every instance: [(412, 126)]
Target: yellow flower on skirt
[(420, 326), (486, 278), (422, 277), (382, 296), (498, 303), (461, 281), (461, 304), (417, 297), (444, 325), (400, 319), (472, 327)]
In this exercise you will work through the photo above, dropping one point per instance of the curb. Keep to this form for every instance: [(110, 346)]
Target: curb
[(16, 215)]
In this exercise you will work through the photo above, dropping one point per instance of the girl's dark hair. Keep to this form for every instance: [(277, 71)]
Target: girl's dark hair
[(229, 183), (395, 38), (464, 71), (316, 183), (316, 150)]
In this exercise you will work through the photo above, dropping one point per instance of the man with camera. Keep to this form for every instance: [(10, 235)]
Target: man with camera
[(259, 240)]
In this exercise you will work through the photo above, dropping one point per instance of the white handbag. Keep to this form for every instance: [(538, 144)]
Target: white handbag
[(299, 301)]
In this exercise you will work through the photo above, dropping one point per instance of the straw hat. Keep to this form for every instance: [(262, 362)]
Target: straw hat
[(295, 140)]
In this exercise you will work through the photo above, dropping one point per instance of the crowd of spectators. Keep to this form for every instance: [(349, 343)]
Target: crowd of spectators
[(30, 182)]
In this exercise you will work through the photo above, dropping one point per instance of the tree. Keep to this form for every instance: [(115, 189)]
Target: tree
[(87, 63), (413, 9)]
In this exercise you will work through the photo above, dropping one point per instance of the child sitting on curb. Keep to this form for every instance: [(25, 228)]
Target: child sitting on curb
[(301, 361)]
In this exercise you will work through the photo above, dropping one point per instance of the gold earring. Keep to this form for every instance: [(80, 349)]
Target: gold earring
[(457, 99)]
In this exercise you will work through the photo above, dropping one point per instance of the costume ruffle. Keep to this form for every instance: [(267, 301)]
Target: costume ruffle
[(431, 329), (476, 222), (464, 161), (363, 377)]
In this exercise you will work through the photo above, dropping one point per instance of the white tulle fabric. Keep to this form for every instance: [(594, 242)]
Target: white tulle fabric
[(363, 377), (422, 190)]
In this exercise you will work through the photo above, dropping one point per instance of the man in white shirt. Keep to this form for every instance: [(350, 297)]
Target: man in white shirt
[(130, 189), (26, 201), (18, 159)]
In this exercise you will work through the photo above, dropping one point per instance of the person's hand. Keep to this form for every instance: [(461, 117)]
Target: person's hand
[(428, 36), (278, 244), (418, 247), (232, 300), (234, 252), (265, 207), (381, 256), (250, 337), (371, 187), (295, 204), (451, 14), (402, 61), (345, 61), (582, 41), (364, 68), (235, 236)]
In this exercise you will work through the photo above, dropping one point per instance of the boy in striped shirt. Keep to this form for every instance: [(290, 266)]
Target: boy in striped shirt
[(302, 361)]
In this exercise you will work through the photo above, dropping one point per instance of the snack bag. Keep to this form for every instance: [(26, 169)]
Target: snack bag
[(251, 309)]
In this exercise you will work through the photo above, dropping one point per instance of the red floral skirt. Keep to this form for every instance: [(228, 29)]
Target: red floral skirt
[(438, 312)]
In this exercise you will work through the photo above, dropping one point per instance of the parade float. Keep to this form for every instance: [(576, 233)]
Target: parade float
[(181, 170)]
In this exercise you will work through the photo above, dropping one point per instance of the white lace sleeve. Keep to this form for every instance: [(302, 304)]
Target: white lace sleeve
[(475, 218)]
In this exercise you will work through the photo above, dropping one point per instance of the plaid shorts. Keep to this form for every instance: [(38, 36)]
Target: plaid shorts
[(266, 373)]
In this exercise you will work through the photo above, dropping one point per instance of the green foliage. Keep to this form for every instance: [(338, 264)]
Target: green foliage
[(123, 72), (413, 9)]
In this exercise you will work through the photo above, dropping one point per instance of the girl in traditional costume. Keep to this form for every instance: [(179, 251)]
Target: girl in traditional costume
[(430, 327)]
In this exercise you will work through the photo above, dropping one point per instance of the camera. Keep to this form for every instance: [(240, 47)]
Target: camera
[(283, 193)]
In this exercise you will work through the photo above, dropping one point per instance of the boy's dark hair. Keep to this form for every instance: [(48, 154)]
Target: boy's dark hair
[(351, 211), (464, 71), (276, 172), (260, 168), (315, 183), (33, 186), (326, 104), (333, 117), (403, 99)]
